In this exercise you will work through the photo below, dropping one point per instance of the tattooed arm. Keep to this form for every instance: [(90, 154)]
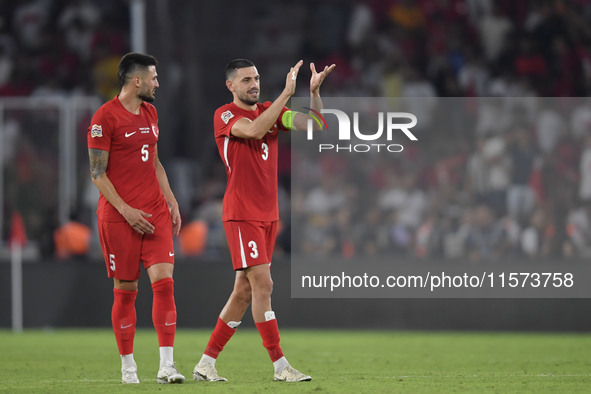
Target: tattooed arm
[(99, 159), (173, 206)]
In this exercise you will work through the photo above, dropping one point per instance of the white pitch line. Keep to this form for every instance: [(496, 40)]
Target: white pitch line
[(475, 376), (77, 381)]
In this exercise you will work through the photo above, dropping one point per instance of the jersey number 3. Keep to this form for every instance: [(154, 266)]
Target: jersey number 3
[(265, 151)]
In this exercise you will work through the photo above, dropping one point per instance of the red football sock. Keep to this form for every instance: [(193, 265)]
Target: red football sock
[(164, 311), (270, 334), (219, 337), (124, 318)]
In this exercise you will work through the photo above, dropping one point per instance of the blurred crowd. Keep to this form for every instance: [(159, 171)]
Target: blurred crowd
[(62, 47), (408, 48), (52, 49), (512, 180)]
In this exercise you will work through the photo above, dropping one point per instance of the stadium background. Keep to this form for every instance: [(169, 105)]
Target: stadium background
[(382, 48)]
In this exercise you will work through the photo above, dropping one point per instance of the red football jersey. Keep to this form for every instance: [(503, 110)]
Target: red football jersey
[(131, 142), (251, 165)]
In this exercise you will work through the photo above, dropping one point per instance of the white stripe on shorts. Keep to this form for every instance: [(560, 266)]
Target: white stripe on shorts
[(242, 250)]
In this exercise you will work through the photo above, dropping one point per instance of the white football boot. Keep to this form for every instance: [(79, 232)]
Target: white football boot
[(129, 375), (207, 371), (169, 374), (290, 374)]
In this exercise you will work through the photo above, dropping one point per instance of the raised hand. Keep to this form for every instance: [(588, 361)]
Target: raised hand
[(292, 76), (318, 77)]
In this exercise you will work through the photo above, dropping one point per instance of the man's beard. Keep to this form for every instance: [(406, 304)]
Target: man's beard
[(146, 96), (247, 100)]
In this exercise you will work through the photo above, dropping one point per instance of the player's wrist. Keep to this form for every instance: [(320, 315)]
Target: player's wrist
[(287, 93), (124, 210)]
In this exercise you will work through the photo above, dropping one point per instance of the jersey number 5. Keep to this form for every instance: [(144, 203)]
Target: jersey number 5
[(265, 151), (145, 153)]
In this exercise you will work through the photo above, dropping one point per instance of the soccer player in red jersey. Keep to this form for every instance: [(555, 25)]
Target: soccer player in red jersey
[(137, 212), (246, 133)]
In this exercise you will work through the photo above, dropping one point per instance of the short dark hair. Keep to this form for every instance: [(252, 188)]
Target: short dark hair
[(235, 65), (132, 63)]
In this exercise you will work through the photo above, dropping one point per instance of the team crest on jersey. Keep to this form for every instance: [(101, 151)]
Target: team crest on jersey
[(226, 116), (155, 130), (96, 131)]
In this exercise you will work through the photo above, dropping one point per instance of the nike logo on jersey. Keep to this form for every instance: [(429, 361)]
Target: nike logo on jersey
[(169, 324), (170, 254), (130, 134), (124, 327)]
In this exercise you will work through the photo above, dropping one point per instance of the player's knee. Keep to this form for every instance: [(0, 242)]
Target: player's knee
[(243, 294), (244, 298), (264, 287), (125, 285)]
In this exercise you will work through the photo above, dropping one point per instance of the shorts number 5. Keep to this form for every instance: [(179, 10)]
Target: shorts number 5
[(112, 262)]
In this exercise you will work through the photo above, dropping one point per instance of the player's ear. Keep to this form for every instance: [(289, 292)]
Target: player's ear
[(229, 85)]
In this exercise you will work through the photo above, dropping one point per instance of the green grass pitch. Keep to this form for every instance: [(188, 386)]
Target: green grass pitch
[(86, 361)]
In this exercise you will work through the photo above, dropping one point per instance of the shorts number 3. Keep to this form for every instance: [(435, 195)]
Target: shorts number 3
[(255, 252)]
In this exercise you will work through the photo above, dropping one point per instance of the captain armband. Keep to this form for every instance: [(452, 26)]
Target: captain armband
[(287, 119)]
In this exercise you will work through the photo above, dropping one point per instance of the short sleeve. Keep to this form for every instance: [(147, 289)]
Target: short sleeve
[(223, 121), (280, 125), (99, 132)]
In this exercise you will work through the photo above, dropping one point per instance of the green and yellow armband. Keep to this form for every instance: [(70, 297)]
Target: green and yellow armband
[(289, 116), (287, 119)]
